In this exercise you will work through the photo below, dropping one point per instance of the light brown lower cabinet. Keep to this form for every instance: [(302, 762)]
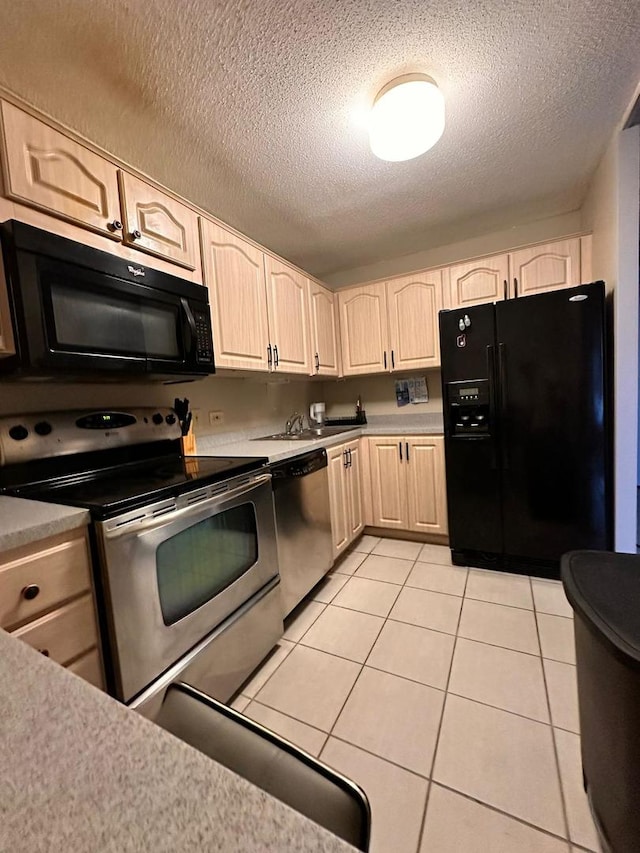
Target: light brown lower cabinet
[(46, 600), (345, 497), (408, 487)]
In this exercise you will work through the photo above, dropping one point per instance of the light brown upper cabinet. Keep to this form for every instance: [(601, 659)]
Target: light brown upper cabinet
[(413, 303), (45, 169), (364, 330), (288, 312), (391, 326), (7, 345), (158, 224), (324, 337), (234, 274), (549, 267), (475, 282)]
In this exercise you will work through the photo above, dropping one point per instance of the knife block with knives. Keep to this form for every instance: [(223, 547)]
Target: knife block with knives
[(185, 417)]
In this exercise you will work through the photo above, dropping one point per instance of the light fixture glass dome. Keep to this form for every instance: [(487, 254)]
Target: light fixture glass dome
[(407, 118)]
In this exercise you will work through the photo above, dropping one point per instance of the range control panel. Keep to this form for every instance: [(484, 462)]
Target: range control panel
[(468, 407), (24, 438)]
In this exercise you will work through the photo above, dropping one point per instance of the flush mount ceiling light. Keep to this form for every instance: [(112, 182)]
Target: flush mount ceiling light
[(407, 118)]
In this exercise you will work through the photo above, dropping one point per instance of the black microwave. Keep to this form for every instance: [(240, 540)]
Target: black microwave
[(80, 313)]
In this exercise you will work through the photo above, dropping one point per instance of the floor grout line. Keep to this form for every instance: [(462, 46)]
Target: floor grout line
[(563, 801), (439, 731)]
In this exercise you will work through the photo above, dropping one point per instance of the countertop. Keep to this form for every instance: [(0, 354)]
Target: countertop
[(80, 772), (23, 521), (277, 451)]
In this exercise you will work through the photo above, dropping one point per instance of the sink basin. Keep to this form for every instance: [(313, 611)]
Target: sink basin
[(307, 434)]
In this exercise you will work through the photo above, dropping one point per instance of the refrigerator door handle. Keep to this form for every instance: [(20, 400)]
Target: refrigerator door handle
[(491, 373), (502, 374)]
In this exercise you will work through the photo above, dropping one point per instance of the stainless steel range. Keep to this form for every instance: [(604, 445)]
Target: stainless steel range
[(185, 549)]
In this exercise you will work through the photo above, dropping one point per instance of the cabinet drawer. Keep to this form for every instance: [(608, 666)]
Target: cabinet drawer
[(89, 667), (55, 574), (63, 634)]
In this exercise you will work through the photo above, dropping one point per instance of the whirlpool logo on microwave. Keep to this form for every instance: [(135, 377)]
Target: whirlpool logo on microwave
[(136, 271)]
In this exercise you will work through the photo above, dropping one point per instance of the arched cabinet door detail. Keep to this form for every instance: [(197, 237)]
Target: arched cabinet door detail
[(364, 330), (484, 280), (288, 312), (45, 169), (234, 274), (413, 303), (550, 267), (156, 223)]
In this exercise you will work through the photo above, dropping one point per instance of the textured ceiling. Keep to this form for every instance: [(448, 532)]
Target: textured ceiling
[(253, 109)]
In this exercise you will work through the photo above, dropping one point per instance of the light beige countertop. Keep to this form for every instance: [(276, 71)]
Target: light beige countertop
[(80, 772), (23, 521), (242, 444)]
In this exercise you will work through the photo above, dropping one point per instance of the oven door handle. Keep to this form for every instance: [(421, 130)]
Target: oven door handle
[(145, 523)]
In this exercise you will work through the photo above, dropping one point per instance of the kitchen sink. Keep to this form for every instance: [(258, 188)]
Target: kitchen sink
[(306, 434)]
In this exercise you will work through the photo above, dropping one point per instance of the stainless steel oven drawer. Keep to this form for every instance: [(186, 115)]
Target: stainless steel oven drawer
[(225, 658)]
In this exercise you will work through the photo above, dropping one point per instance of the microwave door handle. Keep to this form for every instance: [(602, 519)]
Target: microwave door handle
[(190, 326)]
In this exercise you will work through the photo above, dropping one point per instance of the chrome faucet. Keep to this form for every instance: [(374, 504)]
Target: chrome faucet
[(296, 418)]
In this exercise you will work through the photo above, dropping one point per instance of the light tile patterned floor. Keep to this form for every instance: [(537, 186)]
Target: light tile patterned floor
[(448, 694)]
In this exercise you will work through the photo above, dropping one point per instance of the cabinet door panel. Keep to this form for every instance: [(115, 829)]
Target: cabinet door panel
[(89, 667), (549, 267), (288, 304), (388, 482), (167, 228), (364, 330), (414, 302), (338, 499), (484, 280), (7, 344), (63, 634), (46, 169), (234, 274), (426, 485), (324, 338), (354, 495)]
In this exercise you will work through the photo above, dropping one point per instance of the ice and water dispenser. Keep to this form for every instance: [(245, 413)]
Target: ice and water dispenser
[(468, 407)]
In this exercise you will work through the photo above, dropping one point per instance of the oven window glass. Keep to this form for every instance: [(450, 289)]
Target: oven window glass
[(111, 322), (196, 564)]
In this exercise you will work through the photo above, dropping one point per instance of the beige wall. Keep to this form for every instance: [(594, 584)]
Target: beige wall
[(611, 211), (245, 402), (497, 241), (378, 395)]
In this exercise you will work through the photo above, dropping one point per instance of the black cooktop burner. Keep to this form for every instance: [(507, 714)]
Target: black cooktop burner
[(110, 491)]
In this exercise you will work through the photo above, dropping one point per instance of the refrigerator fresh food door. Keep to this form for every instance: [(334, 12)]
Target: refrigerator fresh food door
[(553, 406), (467, 340)]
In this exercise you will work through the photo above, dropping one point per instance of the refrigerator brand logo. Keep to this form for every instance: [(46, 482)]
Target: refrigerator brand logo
[(461, 341), (136, 270)]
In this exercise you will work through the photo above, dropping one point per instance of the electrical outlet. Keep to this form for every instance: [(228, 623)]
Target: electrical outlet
[(216, 418)]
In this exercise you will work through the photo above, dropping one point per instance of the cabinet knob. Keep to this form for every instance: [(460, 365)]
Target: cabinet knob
[(136, 235), (31, 591), (116, 225)]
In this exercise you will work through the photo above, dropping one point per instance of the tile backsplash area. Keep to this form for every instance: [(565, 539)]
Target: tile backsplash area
[(378, 395), (244, 402)]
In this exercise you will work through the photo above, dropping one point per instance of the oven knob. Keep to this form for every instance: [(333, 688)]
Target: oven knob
[(43, 428), (157, 418), (170, 419), (18, 433)]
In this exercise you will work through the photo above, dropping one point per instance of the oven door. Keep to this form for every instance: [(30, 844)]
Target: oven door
[(174, 571)]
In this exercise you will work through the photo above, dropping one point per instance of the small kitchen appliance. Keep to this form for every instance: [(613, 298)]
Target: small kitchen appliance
[(184, 550), (78, 312), (317, 413)]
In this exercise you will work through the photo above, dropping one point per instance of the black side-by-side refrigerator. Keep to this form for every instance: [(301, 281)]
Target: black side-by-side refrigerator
[(527, 433)]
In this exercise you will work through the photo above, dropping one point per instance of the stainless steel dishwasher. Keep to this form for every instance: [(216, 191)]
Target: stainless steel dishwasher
[(303, 524)]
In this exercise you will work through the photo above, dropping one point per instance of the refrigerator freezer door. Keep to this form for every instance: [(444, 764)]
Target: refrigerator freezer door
[(553, 418), (467, 338)]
